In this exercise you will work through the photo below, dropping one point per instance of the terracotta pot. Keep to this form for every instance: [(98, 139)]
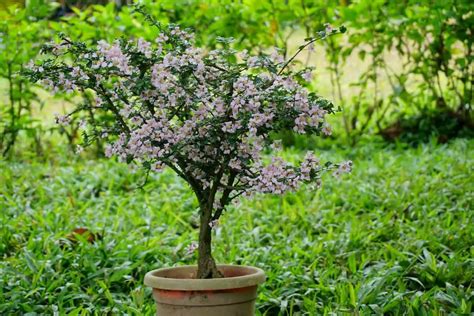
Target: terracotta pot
[(178, 293)]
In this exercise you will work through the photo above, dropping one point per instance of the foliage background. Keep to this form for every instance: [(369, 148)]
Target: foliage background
[(394, 238)]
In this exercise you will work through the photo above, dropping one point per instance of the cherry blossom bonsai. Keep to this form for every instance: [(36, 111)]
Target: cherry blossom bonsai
[(208, 115)]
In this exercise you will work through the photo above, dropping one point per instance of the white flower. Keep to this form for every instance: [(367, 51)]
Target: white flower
[(79, 149)]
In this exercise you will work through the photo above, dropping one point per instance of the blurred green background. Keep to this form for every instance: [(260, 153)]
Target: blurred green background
[(393, 238)]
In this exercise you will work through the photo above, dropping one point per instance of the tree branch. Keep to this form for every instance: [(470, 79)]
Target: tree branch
[(225, 196)]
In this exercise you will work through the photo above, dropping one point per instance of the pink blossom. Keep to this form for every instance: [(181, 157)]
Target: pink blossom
[(192, 248), (328, 28), (205, 115), (253, 62), (144, 47), (300, 123), (344, 167), (63, 120), (157, 166), (113, 55), (231, 127), (235, 164), (276, 57), (327, 129), (162, 38), (307, 76)]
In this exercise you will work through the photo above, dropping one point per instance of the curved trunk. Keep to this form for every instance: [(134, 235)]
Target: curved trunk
[(206, 265)]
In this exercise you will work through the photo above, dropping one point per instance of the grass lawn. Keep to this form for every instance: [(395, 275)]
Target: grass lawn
[(394, 237)]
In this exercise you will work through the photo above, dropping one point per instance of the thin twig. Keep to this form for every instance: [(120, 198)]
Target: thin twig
[(313, 40)]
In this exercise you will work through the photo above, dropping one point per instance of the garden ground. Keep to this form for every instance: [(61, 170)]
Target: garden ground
[(393, 237)]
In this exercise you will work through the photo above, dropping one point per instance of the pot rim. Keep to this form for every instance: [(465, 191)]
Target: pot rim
[(156, 279)]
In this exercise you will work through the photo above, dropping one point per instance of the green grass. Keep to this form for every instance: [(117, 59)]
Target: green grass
[(394, 237)]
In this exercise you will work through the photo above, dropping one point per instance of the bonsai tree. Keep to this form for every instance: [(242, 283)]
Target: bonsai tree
[(208, 115)]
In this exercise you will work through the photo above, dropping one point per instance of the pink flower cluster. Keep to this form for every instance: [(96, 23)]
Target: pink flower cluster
[(205, 116), (112, 56), (344, 167), (63, 119)]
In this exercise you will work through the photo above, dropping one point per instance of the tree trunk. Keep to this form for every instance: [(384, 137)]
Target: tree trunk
[(206, 265)]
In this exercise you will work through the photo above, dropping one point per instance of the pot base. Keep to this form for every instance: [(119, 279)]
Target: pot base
[(206, 303), (178, 293)]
